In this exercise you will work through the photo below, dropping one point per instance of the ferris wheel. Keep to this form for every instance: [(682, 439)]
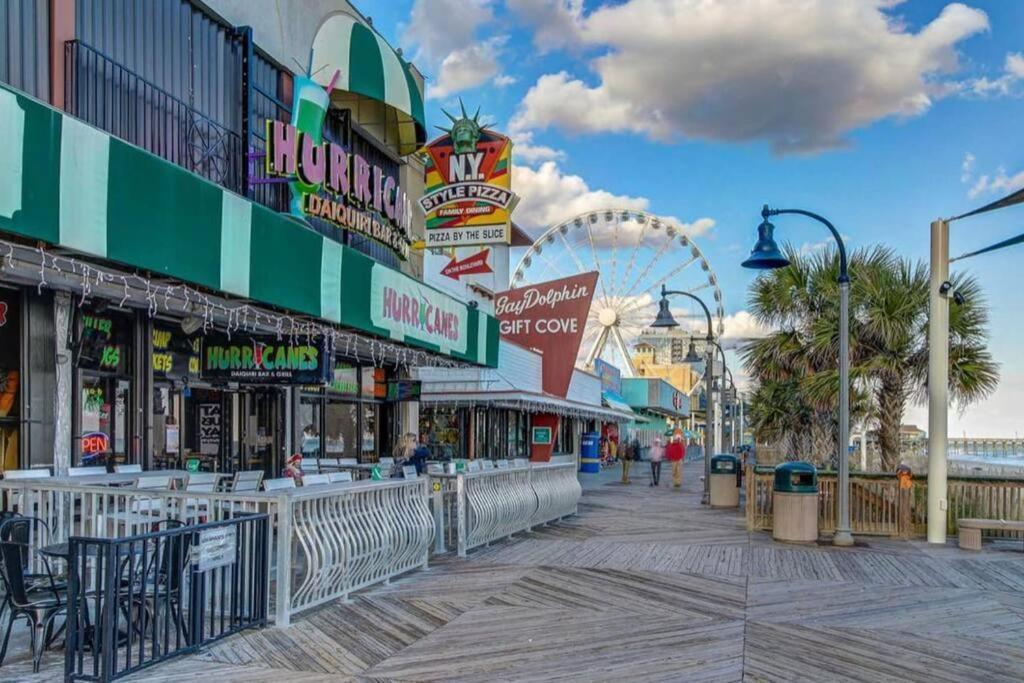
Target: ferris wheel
[(635, 253)]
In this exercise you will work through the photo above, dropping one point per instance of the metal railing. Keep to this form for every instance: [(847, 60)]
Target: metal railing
[(108, 95), (326, 541), (472, 509), (878, 506), (139, 600)]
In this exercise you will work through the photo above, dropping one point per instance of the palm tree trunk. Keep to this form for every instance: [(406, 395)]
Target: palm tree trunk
[(891, 398)]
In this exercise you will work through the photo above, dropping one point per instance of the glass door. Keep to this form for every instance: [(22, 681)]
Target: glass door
[(262, 427)]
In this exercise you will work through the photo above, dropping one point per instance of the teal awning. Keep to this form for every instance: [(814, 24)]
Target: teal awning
[(367, 65)]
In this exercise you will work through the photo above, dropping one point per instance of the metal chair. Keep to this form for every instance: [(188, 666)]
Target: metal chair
[(277, 484), (132, 468), (35, 473), (86, 471), (311, 465), (38, 603), (335, 477), (314, 479), (200, 482), (246, 481)]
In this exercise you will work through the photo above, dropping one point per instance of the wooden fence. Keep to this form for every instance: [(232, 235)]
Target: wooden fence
[(878, 506)]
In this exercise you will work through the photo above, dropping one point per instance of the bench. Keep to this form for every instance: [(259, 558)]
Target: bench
[(970, 530)]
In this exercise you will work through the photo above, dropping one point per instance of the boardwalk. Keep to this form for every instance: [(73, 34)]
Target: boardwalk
[(648, 585)]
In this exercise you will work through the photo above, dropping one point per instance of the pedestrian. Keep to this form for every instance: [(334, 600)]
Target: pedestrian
[(421, 454), (402, 453), (626, 452), (657, 454), (674, 453)]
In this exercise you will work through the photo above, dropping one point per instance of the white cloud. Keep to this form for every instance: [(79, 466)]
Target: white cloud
[(998, 183), (1013, 73), (524, 149), (467, 68), (742, 325), (799, 74), (967, 168), (440, 27), (556, 23), (445, 35)]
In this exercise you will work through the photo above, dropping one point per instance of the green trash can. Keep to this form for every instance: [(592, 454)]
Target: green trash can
[(795, 503), (725, 490)]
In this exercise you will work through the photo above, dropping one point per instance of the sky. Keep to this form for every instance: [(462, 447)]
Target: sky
[(880, 114)]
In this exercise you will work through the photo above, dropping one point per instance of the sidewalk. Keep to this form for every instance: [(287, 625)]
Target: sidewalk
[(646, 584)]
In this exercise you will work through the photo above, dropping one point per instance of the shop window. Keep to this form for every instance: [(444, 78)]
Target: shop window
[(103, 355), (371, 425), (10, 378), (341, 430), (565, 441), (441, 425), (310, 422)]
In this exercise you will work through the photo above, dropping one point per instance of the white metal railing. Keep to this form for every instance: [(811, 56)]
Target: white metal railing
[(328, 540), (476, 508)]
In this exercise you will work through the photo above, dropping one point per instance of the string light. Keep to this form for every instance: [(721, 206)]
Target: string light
[(380, 353)]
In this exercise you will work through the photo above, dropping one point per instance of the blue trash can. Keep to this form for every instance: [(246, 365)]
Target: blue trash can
[(590, 453)]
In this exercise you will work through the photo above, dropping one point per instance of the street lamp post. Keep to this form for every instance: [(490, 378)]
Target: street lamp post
[(766, 255), (665, 319), (724, 398)]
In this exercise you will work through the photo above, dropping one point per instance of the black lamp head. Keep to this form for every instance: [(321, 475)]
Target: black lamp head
[(691, 354), (765, 255), (665, 318)]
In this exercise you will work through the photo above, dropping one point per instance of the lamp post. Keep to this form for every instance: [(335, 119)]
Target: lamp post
[(723, 400), (766, 255), (665, 319)]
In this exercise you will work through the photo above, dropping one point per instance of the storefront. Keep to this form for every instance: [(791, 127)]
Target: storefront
[(663, 406), (505, 413), (199, 338)]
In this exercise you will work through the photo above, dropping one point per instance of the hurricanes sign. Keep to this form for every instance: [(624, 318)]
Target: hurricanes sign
[(468, 197)]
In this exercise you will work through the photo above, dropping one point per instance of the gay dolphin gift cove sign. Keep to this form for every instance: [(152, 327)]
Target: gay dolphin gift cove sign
[(549, 317), (468, 197)]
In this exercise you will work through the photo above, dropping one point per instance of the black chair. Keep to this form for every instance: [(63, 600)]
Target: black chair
[(37, 604)]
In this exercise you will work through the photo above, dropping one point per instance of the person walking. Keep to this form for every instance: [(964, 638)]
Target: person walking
[(674, 453), (657, 455), (626, 453)]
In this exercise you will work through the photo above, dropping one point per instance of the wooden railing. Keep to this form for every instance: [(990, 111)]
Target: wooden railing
[(878, 506)]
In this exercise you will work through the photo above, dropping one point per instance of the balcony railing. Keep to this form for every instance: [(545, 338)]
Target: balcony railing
[(106, 94)]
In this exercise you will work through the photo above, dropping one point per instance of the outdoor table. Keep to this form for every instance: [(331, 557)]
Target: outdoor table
[(126, 478)]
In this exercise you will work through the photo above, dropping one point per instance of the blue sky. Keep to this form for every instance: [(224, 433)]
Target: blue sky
[(863, 110)]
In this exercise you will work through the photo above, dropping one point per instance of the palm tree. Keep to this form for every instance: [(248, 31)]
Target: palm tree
[(888, 338)]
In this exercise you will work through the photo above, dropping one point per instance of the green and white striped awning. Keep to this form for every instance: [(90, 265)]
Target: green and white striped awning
[(367, 65)]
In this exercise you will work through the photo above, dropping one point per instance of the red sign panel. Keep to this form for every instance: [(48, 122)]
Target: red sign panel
[(549, 317), (471, 265)]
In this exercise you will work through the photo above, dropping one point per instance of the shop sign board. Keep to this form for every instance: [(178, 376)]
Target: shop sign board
[(265, 361), (611, 376), (474, 264), (408, 308), (209, 428), (103, 343), (404, 390), (175, 355), (217, 547), (468, 197), (671, 399), (540, 436), (549, 317), (332, 184)]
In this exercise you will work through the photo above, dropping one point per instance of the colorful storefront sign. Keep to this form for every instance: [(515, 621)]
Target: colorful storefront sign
[(549, 317), (265, 361), (175, 355), (329, 183), (611, 376), (407, 307), (468, 197)]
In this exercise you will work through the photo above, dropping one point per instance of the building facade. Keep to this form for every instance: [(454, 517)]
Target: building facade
[(168, 294)]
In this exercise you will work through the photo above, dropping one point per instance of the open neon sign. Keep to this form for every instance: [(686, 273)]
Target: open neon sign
[(95, 442)]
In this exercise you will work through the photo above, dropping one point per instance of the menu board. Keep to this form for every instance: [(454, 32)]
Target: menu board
[(209, 428)]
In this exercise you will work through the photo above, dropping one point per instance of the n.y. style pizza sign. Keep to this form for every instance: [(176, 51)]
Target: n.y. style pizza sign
[(549, 317)]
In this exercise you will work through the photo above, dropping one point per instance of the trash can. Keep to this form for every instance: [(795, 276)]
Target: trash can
[(725, 490), (590, 454), (795, 503)]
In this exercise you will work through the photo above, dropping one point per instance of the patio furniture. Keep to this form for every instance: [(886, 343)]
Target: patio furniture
[(314, 479), (86, 471), (310, 465), (278, 484), (200, 482), (127, 469), (35, 473), (970, 530), (246, 481), (335, 477), (38, 603)]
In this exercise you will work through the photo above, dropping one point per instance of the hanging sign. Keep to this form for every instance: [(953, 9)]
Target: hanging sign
[(265, 361), (408, 308), (468, 197), (209, 428), (216, 547), (331, 183), (549, 317), (471, 265)]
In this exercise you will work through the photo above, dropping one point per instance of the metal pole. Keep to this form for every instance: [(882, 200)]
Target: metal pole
[(938, 383), (843, 535), (743, 426), (709, 430)]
